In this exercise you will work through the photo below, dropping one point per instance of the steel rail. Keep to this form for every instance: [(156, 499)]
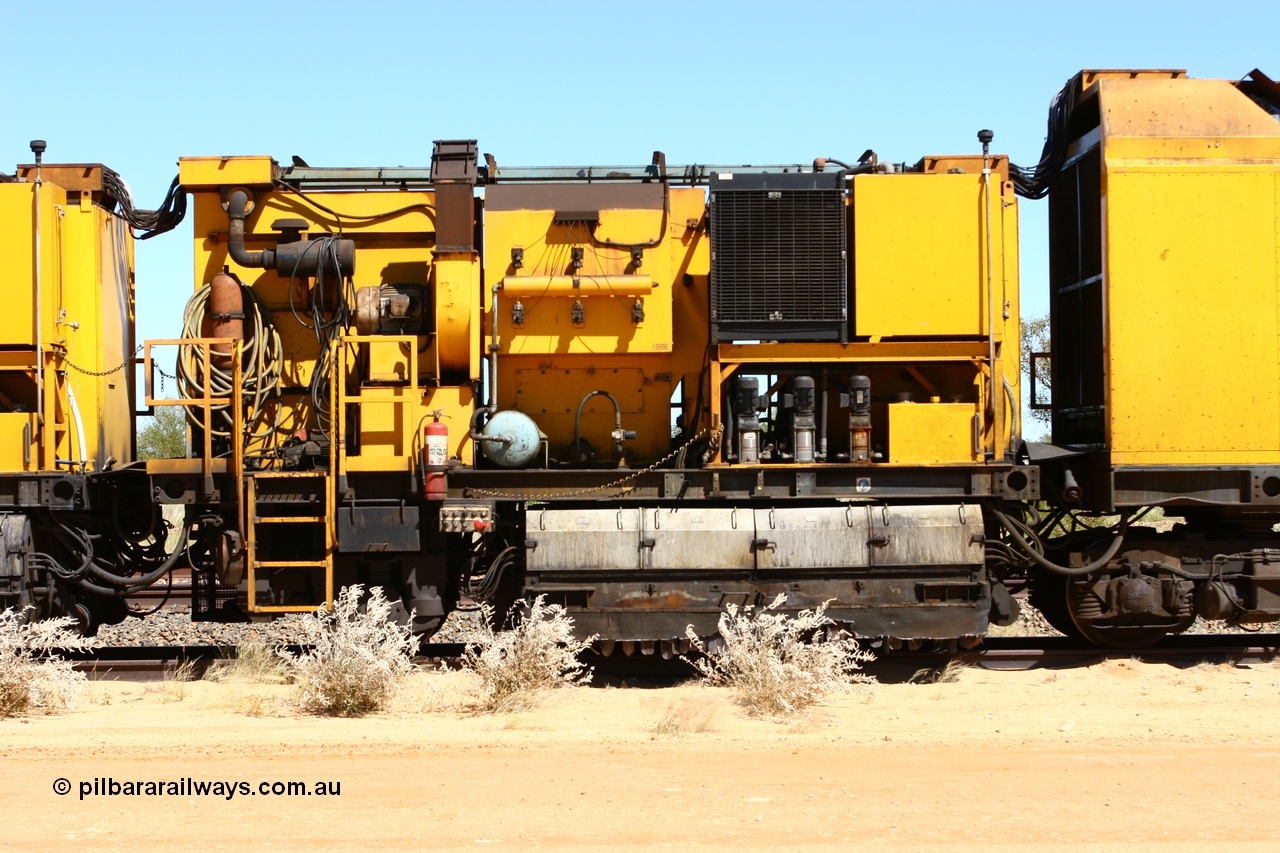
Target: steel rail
[(994, 653)]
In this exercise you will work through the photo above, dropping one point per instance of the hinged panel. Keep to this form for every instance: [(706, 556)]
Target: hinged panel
[(940, 535), (698, 538), (811, 538), (582, 539)]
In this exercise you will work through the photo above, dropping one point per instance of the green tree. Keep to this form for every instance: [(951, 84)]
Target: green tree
[(1035, 338), (163, 436)]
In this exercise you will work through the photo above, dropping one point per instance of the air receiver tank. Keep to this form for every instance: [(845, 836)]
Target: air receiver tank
[(512, 439)]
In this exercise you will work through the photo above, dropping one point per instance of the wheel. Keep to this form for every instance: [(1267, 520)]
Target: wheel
[(1084, 606), (1047, 592)]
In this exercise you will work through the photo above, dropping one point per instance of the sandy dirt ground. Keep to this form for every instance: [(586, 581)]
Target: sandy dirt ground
[(1120, 755)]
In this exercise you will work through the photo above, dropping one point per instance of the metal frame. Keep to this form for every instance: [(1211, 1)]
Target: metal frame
[(206, 403)]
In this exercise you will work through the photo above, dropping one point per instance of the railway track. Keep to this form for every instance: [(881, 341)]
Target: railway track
[(995, 653)]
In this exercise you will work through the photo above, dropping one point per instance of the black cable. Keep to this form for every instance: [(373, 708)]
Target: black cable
[(171, 212), (360, 217), (1035, 182), (168, 591), (326, 331)]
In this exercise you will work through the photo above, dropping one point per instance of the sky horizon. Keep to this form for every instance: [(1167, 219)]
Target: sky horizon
[(136, 87)]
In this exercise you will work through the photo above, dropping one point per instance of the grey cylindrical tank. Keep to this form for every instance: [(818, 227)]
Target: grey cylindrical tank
[(523, 439)]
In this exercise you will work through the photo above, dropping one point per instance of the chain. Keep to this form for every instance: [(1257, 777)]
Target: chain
[(621, 481), (77, 368)]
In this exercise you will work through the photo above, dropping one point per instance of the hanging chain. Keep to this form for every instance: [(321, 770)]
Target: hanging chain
[(621, 481), (78, 369)]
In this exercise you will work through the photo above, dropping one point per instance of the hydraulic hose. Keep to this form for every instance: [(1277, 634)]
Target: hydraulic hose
[(260, 380), (129, 583), (1044, 562)]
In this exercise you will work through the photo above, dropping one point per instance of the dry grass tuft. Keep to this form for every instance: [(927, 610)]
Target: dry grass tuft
[(28, 679), (684, 717), (256, 704), (516, 667), (359, 659), (420, 694), (775, 662), (948, 674), (255, 663), (173, 686)]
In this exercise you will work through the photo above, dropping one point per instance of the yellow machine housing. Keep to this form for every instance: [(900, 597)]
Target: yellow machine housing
[(1166, 267), (57, 336), (586, 280), (390, 385), (368, 353)]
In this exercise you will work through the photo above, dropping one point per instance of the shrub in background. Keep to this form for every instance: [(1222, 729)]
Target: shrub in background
[(516, 666), (774, 661), (360, 655), (28, 681)]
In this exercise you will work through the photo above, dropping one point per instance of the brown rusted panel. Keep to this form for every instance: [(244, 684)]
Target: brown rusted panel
[(455, 218), (72, 177), (965, 164), (453, 172)]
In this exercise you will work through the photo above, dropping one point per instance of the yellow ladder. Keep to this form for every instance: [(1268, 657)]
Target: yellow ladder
[(254, 520)]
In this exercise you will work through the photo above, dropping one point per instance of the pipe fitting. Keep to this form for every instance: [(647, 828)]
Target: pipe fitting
[(325, 257)]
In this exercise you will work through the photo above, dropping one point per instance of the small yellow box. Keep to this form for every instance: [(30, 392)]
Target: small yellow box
[(931, 432), (213, 172)]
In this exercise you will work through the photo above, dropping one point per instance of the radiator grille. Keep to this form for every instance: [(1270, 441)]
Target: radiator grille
[(778, 257)]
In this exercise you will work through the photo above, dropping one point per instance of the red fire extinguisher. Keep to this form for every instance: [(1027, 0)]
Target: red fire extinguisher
[(435, 457)]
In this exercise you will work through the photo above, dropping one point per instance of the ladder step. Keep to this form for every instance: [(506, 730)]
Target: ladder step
[(289, 519), (291, 564), (282, 475)]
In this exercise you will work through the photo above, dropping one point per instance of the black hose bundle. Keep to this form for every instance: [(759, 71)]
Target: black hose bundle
[(149, 222), (1034, 182)]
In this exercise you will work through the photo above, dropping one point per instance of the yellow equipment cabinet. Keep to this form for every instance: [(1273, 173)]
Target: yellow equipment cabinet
[(932, 325), (583, 278), (1165, 235), (919, 259), (66, 332)]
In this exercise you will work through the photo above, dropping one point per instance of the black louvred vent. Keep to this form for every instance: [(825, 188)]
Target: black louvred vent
[(778, 269)]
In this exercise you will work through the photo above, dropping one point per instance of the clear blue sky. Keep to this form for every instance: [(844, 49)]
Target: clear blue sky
[(138, 85)]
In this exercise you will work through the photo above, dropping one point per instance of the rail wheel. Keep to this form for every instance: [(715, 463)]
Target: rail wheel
[(1047, 592), (1086, 608)]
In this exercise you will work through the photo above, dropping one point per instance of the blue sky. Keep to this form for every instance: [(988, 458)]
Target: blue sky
[(138, 85)]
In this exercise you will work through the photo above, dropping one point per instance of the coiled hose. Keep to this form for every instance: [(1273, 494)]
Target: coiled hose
[(262, 356)]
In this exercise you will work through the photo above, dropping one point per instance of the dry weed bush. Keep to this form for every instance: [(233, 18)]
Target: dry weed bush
[(28, 682), (359, 659), (772, 662), (515, 667)]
